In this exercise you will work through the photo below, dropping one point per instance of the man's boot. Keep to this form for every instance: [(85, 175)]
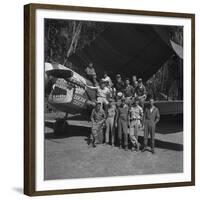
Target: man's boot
[(144, 148)]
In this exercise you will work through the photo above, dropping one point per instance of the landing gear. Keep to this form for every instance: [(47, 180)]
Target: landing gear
[(60, 126)]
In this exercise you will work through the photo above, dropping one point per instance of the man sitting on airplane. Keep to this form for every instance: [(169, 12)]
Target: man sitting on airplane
[(90, 73), (103, 94), (119, 84), (141, 93), (107, 79), (134, 81)]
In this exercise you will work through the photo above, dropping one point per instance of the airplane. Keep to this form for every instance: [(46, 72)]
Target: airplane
[(141, 51), (71, 93)]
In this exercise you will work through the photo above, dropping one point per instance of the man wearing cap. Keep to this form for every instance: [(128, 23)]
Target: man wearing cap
[(151, 118), (103, 94), (98, 117), (90, 73), (134, 80), (122, 123), (119, 84), (135, 117), (110, 122), (141, 93), (129, 91), (107, 79)]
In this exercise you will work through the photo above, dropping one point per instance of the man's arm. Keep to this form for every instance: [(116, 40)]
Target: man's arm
[(129, 118), (92, 116), (116, 118), (157, 116), (92, 87), (144, 115), (104, 117)]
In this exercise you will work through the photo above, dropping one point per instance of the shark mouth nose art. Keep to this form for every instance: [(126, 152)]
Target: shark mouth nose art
[(59, 92)]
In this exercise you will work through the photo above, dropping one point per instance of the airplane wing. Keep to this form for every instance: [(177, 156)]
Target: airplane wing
[(127, 49)]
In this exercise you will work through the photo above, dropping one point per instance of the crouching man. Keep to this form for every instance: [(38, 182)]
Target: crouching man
[(135, 117), (151, 118), (98, 117)]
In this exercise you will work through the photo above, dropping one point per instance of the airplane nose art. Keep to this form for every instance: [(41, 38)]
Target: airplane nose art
[(61, 92)]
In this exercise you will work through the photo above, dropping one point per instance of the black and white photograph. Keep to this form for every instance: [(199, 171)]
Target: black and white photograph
[(109, 99), (113, 99)]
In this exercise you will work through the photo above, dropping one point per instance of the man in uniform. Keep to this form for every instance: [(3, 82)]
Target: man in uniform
[(119, 84), (141, 92), (110, 123), (129, 91), (98, 117), (103, 94), (151, 118), (90, 73), (134, 80), (135, 117), (122, 123)]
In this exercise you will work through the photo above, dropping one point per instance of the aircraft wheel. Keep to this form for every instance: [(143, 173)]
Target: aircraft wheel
[(60, 126)]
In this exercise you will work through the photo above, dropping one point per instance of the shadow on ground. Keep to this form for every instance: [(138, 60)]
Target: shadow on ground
[(74, 131), (163, 144)]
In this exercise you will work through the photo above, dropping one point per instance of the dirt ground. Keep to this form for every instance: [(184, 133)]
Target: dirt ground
[(68, 155)]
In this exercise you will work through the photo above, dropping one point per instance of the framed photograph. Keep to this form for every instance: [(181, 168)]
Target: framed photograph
[(109, 99)]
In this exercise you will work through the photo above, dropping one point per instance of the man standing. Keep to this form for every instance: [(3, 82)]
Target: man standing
[(90, 73), (128, 90), (134, 80), (135, 117), (151, 118), (119, 84), (110, 123), (141, 92), (122, 123), (98, 117)]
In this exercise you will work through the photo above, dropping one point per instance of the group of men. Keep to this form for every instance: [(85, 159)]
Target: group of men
[(121, 112)]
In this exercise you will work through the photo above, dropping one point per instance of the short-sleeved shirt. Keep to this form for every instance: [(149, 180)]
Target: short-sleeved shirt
[(129, 91), (136, 113), (123, 112), (98, 116), (140, 90), (90, 71), (112, 111), (103, 93)]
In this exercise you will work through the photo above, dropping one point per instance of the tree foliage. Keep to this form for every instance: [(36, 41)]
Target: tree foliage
[(64, 37)]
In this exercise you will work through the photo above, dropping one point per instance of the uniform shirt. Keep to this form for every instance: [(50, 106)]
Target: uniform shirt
[(90, 71), (119, 86), (152, 114), (135, 113), (97, 116), (103, 93), (129, 91), (140, 90), (122, 113), (112, 111)]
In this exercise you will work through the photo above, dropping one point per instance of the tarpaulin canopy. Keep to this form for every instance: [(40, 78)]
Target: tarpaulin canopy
[(128, 49)]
